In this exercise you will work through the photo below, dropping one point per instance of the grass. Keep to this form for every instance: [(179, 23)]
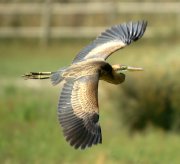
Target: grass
[(29, 129), (30, 134)]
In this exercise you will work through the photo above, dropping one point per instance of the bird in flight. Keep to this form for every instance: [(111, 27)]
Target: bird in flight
[(78, 110)]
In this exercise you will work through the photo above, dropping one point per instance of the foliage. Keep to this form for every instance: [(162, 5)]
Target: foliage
[(151, 98), (152, 101), (29, 129)]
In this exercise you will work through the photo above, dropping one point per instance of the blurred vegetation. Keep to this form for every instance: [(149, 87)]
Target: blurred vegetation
[(157, 20), (66, 1), (148, 101), (153, 100)]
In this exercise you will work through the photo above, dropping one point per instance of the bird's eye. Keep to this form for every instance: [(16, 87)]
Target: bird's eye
[(107, 68)]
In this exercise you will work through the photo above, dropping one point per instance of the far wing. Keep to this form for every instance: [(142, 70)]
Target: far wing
[(111, 40), (78, 112)]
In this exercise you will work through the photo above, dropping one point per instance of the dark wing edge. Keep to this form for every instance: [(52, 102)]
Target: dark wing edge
[(114, 38), (78, 119)]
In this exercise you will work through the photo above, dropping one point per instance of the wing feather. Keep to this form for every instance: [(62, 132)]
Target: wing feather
[(78, 112), (111, 40)]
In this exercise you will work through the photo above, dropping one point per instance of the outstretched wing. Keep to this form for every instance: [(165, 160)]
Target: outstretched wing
[(111, 40), (78, 111)]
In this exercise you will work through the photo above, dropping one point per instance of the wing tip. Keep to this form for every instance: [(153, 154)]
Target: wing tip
[(84, 140), (126, 32), (79, 133), (136, 31), (80, 137)]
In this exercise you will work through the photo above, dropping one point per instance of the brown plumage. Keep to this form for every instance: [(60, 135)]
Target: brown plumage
[(78, 109)]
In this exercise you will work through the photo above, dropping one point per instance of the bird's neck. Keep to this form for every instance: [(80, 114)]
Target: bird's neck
[(113, 77)]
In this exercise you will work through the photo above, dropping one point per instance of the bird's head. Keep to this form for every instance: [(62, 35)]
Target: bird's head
[(119, 68)]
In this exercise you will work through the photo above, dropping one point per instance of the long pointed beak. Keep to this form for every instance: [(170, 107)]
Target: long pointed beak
[(130, 68), (122, 68)]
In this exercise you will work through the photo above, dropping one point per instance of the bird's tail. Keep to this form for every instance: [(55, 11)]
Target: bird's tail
[(56, 77), (37, 75)]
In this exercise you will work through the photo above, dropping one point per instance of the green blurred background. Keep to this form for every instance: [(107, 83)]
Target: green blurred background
[(140, 119)]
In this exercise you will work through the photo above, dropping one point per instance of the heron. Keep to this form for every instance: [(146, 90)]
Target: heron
[(78, 109)]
